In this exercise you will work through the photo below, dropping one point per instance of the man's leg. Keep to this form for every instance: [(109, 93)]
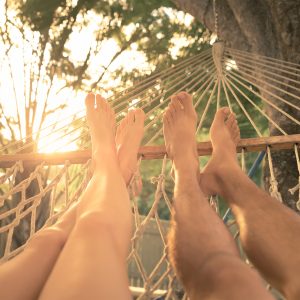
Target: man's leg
[(202, 250), (269, 231)]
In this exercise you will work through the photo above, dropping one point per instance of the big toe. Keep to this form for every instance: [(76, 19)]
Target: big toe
[(130, 117), (176, 103), (221, 115), (186, 100), (101, 103), (139, 116), (90, 102)]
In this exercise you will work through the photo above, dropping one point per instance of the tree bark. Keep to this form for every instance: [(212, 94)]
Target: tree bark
[(269, 28)]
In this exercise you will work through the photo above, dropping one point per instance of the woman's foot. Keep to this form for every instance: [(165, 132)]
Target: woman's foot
[(179, 128), (128, 140), (225, 135), (101, 121)]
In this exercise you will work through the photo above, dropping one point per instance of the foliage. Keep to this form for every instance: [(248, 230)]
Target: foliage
[(48, 30)]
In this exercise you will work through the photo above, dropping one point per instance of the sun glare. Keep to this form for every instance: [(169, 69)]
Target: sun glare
[(57, 132)]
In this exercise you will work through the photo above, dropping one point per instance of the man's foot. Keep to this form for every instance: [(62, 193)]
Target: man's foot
[(128, 140), (225, 135), (101, 121), (179, 128)]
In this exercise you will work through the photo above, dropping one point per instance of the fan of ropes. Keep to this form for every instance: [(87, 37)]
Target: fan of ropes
[(218, 76)]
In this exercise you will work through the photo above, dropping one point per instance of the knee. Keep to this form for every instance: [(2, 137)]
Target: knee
[(93, 223), (225, 269), (48, 238)]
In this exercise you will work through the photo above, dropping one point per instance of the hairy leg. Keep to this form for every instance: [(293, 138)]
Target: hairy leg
[(269, 231), (202, 250)]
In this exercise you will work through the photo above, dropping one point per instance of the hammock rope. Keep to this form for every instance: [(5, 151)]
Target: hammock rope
[(216, 77)]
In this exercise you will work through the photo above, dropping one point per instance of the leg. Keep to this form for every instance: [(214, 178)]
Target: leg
[(128, 139), (92, 264), (44, 248), (202, 250), (269, 231), (24, 276)]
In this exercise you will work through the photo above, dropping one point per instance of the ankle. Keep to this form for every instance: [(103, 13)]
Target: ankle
[(190, 166), (102, 162), (188, 160)]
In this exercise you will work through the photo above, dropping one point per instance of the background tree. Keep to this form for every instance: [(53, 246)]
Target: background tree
[(37, 47), (269, 28), (46, 34)]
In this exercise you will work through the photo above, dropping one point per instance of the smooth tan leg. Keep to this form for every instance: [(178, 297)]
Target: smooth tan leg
[(24, 276), (92, 264), (202, 250)]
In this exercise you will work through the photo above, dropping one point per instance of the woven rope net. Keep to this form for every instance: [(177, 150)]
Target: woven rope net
[(216, 77)]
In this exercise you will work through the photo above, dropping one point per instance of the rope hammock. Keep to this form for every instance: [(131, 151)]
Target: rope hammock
[(216, 77)]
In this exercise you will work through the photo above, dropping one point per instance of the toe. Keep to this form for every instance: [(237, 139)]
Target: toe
[(176, 104), (123, 123), (119, 131), (130, 117), (139, 116), (110, 110), (90, 102), (230, 119), (90, 108), (184, 96), (173, 107), (164, 118), (171, 111), (186, 100), (168, 117), (101, 103), (230, 122), (222, 114), (112, 115)]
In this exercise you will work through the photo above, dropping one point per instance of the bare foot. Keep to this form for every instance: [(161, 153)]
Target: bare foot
[(225, 135), (128, 140), (179, 128), (101, 121)]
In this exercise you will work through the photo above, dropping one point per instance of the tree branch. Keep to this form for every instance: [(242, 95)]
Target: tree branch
[(12, 78)]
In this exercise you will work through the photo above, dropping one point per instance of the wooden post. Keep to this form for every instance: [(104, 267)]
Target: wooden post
[(282, 142)]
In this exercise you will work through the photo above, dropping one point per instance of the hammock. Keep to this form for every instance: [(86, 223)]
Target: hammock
[(218, 76)]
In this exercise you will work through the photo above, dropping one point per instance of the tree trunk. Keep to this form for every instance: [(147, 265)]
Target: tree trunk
[(269, 28)]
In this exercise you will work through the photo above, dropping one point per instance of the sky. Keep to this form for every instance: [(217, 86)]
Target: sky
[(13, 75)]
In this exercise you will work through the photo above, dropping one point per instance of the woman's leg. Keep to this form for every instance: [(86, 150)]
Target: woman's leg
[(92, 264), (25, 275)]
